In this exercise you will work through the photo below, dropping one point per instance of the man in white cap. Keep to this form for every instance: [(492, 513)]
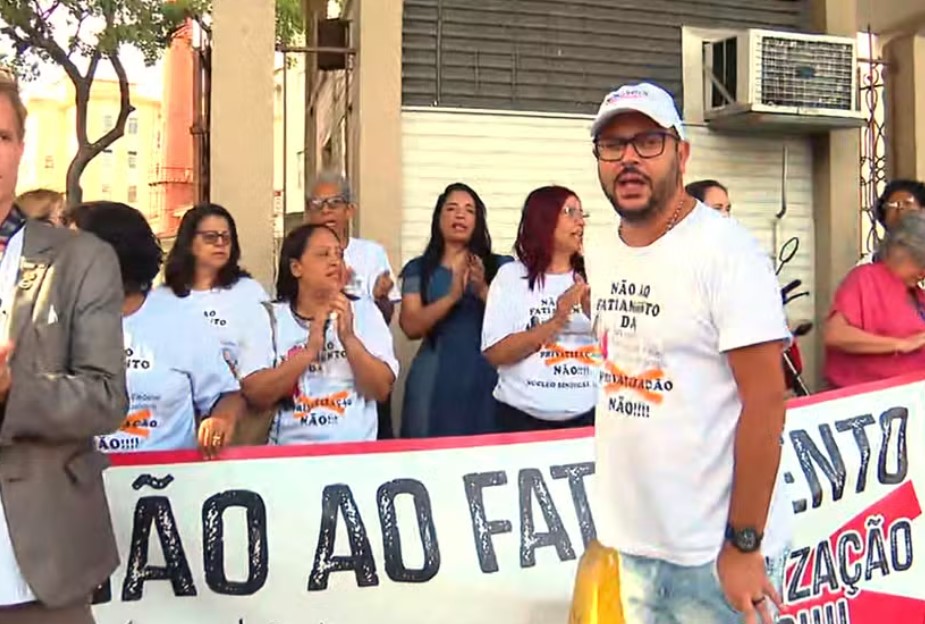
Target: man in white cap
[(691, 411)]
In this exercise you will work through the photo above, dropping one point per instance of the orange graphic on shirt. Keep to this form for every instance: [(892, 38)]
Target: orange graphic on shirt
[(336, 403), (638, 383), (136, 423), (556, 354)]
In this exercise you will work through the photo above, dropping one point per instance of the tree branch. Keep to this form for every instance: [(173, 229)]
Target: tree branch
[(75, 40), (47, 14), (125, 109), (36, 38)]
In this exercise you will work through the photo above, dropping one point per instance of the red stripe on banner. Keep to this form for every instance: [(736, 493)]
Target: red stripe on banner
[(850, 391), (145, 458), (865, 606)]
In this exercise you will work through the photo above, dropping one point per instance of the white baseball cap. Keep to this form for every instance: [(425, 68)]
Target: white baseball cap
[(648, 99)]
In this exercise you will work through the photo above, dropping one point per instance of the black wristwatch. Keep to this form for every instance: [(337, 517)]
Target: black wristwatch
[(746, 540)]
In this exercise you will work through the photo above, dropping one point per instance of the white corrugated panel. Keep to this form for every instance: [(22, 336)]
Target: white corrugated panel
[(505, 156)]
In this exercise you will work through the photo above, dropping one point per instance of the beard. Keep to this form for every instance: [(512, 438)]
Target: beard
[(661, 190)]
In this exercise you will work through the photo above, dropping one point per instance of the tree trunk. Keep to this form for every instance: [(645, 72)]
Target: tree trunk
[(74, 171), (87, 150)]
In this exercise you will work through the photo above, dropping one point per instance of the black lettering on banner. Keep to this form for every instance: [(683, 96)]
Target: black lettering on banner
[(213, 537), (338, 500), (824, 569), (876, 549), (887, 419), (833, 467), (795, 592), (482, 529), (156, 510), (850, 574), (854, 556), (576, 473), (829, 613), (391, 538), (531, 484), (857, 426), (901, 535)]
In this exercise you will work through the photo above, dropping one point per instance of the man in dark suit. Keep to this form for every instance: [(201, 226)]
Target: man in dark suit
[(62, 382)]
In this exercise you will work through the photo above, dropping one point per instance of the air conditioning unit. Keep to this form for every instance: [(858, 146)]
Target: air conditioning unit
[(767, 80)]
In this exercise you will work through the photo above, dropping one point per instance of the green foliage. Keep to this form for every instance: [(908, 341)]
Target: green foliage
[(290, 21), (59, 31)]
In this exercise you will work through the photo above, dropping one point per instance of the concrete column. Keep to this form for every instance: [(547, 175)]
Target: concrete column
[(836, 199), (243, 47), (905, 92), (374, 134), (374, 161)]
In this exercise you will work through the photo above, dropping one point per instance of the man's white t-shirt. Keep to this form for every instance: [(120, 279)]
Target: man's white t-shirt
[(557, 382), (668, 408), (228, 311), (368, 260), (13, 586), (175, 373), (325, 406)]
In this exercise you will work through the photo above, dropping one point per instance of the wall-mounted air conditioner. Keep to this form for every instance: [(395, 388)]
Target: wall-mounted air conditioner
[(762, 79)]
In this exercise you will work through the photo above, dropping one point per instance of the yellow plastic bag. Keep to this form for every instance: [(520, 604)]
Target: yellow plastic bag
[(596, 599)]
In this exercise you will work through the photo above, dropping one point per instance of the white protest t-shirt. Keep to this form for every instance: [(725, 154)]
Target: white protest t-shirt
[(325, 406), (368, 260), (174, 370), (557, 382), (668, 407), (228, 311)]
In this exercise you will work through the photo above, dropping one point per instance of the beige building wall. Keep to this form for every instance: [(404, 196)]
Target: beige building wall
[(122, 173), (242, 129), (905, 90), (837, 204)]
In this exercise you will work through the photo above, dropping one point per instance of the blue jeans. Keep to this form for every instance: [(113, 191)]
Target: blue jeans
[(657, 592)]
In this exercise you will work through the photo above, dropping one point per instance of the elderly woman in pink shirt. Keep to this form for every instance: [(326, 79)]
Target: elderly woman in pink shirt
[(876, 327)]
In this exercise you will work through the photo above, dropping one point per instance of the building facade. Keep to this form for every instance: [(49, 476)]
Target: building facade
[(120, 173), (500, 94)]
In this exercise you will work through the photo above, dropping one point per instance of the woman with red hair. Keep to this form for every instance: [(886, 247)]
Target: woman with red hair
[(535, 331)]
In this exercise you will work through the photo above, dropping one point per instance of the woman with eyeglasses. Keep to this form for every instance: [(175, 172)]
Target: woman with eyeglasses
[(898, 198), (537, 331), (181, 392), (320, 359), (876, 325), (448, 390), (203, 268)]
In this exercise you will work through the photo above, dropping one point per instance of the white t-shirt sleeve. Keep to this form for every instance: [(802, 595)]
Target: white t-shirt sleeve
[(255, 291), (372, 331), (505, 295), (745, 298), (209, 373), (257, 344)]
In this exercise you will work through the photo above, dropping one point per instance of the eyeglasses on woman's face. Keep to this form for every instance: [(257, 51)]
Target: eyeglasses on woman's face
[(902, 206), (213, 237)]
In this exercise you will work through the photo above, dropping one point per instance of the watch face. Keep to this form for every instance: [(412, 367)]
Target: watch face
[(747, 540)]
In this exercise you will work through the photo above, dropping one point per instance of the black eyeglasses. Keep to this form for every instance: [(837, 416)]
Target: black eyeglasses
[(334, 203), (904, 205), (215, 238), (650, 144)]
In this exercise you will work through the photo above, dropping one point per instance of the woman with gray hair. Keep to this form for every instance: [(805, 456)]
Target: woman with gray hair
[(876, 326)]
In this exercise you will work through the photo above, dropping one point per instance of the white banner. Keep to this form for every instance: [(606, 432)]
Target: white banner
[(487, 529)]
